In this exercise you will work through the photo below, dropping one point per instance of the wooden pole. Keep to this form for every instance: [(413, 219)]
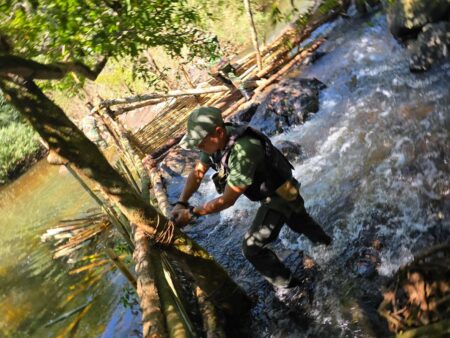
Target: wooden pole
[(173, 93), (152, 318), (254, 33), (121, 266)]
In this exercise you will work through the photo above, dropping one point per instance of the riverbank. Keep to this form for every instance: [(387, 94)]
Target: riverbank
[(18, 168)]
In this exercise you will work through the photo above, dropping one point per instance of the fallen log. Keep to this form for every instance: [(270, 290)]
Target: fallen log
[(152, 316)]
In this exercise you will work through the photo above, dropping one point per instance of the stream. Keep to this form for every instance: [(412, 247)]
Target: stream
[(374, 172), (34, 288)]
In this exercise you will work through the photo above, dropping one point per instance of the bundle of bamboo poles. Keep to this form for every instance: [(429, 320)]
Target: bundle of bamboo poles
[(417, 301), (278, 57), (73, 234)]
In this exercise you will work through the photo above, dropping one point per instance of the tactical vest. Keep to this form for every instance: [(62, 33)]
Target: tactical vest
[(267, 179)]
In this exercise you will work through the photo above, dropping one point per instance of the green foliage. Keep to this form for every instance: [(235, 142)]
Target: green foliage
[(18, 142), (229, 22), (129, 298), (18, 139), (8, 114), (86, 30)]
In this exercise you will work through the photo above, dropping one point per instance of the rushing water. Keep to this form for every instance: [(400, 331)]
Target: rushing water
[(376, 169), (34, 288)]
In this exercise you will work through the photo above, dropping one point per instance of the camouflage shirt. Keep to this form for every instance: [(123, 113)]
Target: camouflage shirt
[(247, 155)]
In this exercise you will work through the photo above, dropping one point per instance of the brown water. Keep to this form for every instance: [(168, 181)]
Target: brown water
[(34, 288)]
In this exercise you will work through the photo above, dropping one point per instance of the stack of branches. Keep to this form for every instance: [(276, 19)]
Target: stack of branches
[(417, 301), (73, 234), (278, 58), (78, 241)]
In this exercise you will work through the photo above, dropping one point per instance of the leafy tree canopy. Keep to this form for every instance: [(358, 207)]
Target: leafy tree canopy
[(85, 31)]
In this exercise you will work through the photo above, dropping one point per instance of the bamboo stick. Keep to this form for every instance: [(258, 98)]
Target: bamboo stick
[(123, 110), (173, 93), (439, 329), (122, 267), (71, 329), (211, 325), (176, 326), (209, 314), (67, 314), (88, 267), (107, 209), (254, 34)]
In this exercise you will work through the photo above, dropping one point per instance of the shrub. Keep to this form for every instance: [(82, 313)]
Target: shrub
[(18, 140)]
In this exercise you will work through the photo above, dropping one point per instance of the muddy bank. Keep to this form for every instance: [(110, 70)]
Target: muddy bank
[(23, 165)]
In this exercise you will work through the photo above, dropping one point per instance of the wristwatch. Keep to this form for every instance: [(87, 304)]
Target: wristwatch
[(194, 215), (184, 204)]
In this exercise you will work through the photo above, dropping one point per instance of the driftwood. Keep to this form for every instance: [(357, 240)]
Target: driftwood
[(418, 298)]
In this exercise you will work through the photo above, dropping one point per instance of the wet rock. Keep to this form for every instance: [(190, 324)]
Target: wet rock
[(364, 262), (316, 55), (179, 162), (432, 45), (291, 150), (245, 115), (290, 103), (364, 6), (406, 18)]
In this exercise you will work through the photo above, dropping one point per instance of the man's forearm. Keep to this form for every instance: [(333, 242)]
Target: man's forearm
[(216, 205), (191, 186)]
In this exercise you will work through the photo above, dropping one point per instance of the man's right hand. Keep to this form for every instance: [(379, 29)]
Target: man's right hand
[(176, 210), (182, 217)]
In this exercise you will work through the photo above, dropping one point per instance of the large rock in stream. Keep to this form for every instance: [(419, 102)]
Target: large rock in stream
[(423, 26), (291, 102)]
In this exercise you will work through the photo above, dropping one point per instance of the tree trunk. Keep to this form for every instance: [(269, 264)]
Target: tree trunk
[(67, 141), (254, 33)]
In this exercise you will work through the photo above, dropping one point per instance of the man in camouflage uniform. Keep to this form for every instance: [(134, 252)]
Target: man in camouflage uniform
[(247, 164)]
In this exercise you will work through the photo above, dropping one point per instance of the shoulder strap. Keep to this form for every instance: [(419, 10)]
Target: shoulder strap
[(238, 131)]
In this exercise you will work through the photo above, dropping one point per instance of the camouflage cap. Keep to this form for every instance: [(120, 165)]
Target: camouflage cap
[(201, 122)]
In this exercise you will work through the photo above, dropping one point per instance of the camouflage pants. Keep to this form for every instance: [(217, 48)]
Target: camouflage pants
[(266, 227)]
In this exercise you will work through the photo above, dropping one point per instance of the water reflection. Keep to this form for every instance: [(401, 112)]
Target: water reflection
[(34, 288)]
